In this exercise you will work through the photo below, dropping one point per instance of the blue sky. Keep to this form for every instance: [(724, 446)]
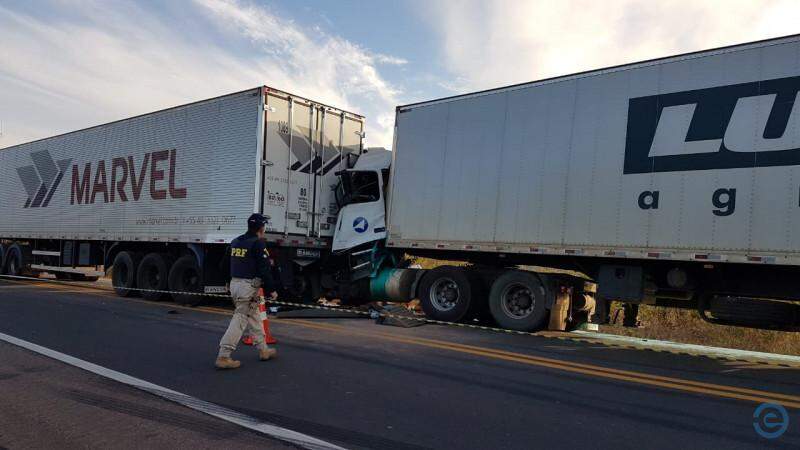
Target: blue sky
[(66, 65)]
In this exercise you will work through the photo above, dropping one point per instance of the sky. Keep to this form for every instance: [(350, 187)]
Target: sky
[(67, 65)]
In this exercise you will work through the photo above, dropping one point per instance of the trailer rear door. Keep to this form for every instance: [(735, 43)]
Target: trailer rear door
[(305, 145)]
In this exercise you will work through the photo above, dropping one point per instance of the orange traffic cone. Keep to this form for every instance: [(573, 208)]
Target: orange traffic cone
[(262, 308)]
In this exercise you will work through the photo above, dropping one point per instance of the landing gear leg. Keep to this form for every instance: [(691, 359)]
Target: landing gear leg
[(602, 313), (631, 318)]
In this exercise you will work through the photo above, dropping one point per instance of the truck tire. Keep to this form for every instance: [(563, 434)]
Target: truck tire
[(446, 293), (123, 275), (153, 275), (517, 301), (13, 265), (2, 259), (753, 312), (186, 276)]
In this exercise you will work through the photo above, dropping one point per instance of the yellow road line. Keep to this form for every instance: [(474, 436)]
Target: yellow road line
[(587, 369), (678, 384)]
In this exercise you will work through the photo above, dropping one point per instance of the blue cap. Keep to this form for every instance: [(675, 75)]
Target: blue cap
[(256, 221)]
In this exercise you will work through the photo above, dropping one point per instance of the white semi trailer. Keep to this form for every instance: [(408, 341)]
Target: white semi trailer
[(674, 182), (158, 197)]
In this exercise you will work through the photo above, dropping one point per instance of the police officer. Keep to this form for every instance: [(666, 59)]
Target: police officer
[(250, 270)]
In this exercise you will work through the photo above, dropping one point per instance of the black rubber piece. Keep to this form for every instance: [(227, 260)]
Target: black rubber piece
[(153, 273), (123, 273), (760, 313), (82, 277), (186, 276), (465, 304), (536, 320)]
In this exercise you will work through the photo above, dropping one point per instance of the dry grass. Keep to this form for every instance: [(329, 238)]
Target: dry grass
[(686, 326)]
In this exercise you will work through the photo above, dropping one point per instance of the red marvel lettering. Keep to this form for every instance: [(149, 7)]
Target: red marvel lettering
[(173, 191), (137, 183), (80, 185), (100, 185), (119, 186), (157, 175)]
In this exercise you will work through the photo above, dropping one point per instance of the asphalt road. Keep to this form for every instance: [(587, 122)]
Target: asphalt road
[(49, 404), (361, 385)]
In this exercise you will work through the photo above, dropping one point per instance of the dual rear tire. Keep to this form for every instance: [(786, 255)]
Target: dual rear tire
[(123, 275), (155, 275), (450, 294), (186, 276), (152, 276), (13, 261), (517, 299)]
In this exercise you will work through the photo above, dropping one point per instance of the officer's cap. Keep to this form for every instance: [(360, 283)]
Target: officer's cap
[(256, 221)]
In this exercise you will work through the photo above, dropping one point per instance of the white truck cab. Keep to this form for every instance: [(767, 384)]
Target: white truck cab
[(361, 198)]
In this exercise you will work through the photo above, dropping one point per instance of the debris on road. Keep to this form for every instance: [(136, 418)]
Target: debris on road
[(400, 316)]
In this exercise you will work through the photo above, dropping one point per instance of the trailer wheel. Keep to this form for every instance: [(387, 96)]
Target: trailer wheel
[(153, 275), (2, 259), (446, 294), (186, 276), (123, 276), (13, 264), (517, 301)]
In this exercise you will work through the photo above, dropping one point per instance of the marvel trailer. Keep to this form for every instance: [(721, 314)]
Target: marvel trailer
[(673, 181), (157, 197)]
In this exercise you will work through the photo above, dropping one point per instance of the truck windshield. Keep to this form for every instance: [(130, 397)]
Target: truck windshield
[(357, 187)]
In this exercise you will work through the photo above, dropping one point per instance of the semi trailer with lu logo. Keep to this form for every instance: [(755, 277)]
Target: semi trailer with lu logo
[(673, 182)]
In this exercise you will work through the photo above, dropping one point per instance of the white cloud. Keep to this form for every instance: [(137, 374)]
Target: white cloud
[(113, 60), (490, 43), (390, 60)]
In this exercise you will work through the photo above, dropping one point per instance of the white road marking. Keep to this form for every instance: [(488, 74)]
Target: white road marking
[(677, 347), (211, 409)]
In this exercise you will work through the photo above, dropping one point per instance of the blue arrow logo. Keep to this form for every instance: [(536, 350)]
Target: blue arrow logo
[(360, 225)]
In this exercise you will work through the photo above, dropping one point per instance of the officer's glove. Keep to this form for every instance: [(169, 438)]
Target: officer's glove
[(273, 295)]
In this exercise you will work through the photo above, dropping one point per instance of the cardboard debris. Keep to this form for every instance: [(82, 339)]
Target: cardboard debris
[(333, 302), (401, 316)]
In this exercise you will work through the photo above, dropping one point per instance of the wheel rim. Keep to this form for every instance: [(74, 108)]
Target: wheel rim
[(190, 279), (444, 294), (122, 273), (517, 301), (12, 266), (152, 276)]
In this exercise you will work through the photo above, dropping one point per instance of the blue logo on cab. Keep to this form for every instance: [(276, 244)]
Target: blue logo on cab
[(360, 225)]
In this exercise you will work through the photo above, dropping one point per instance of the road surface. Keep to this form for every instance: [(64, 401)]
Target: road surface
[(360, 385), (48, 404)]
